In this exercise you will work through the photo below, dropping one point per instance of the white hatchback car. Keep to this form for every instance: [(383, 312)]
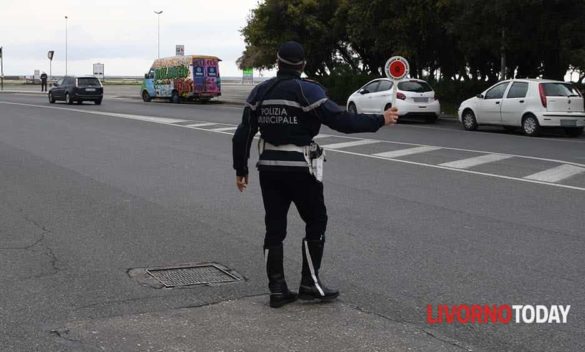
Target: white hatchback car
[(415, 98), (530, 104)]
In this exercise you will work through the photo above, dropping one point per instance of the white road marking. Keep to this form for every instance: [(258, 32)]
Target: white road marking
[(156, 119), (556, 174), (349, 144), (405, 152), (203, 124), (223, 129), (321, 135), (170, 121), (475, 161), (463, 170)]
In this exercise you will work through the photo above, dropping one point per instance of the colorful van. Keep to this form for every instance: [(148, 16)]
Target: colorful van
[(189, 77)]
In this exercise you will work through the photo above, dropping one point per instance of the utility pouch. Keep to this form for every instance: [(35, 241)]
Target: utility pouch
[(315, 157)]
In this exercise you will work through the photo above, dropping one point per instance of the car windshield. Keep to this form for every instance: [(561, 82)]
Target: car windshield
[(414, 86), (88, 82), (559, 90)]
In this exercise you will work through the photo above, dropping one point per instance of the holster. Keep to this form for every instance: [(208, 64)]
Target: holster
[(315, 157)]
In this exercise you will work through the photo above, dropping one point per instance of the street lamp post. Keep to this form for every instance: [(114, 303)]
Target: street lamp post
[(66, 18), (158, 31)]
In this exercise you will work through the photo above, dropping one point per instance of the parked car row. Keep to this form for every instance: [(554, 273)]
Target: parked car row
[(527, 104)]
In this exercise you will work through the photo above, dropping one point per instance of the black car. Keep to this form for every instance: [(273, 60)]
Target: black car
[(77, 89)]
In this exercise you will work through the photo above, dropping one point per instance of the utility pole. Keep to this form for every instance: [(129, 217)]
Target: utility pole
[(1, 68), (158, 30), (66, 45), (503, 55)]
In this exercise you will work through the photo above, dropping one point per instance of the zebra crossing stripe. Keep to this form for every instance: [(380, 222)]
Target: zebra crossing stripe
[(556, 174), (202, 124), (349, 144), (475, 161), (405, 152), (223, 129)]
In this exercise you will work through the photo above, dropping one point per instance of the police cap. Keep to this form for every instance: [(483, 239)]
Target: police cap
[(291, 53)]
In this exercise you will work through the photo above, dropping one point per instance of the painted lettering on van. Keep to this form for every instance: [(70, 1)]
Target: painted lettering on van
[(171, 72)]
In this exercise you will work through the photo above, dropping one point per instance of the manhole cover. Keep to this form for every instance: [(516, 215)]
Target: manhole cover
[(192, 275)]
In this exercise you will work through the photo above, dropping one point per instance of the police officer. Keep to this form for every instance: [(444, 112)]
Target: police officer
[(289, 112), (44, 82)]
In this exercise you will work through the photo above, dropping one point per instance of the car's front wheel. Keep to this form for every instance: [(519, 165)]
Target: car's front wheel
[(352, 108), (530, 126), (51, 98), (68, 99), (469, 121), (574, 132)]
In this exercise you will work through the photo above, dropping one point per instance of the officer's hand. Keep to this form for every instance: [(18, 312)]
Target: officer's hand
[(391, 116), (242, 182)]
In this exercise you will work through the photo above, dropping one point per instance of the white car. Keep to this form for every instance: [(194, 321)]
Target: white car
[(415, 98), (530, 104)]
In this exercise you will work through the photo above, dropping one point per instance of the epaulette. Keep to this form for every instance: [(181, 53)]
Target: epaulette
[(312, 81)]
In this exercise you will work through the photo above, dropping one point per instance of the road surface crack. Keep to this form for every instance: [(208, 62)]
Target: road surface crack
[(414, 326)]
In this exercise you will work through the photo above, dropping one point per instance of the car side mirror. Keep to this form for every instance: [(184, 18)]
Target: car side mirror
[(146, 76), (364, 91), (55, 84), (480, 96)]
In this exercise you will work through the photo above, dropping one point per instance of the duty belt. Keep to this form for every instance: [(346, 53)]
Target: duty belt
[(313, 154), (283, 148)]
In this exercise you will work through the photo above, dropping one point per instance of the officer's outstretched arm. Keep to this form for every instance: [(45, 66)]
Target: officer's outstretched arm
[(340, 120), (242, 141)]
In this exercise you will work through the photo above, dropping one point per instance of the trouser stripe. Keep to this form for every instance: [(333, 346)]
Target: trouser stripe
[(312, 269)]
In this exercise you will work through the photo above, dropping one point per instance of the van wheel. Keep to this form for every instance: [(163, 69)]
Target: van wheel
[(469, 121), (68, 99), (146, 97), (530, 126), (175, 99), (574, 132)]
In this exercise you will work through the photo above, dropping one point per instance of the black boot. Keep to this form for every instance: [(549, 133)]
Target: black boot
[(311, 286), (279, 292)]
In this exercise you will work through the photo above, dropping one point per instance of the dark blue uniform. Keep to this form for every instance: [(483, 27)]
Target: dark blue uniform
[(288, 111)]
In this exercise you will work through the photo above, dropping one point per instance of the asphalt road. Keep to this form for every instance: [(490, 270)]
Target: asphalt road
[(419, 214)]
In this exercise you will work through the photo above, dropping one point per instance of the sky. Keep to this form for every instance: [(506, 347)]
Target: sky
[(121, 34)]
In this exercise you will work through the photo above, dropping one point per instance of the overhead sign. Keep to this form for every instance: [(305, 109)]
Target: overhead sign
[(180, 50), (396, 68), (50, 54)]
